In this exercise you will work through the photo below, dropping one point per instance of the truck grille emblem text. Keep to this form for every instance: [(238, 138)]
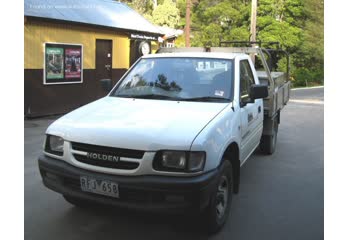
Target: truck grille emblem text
[(104, 157)]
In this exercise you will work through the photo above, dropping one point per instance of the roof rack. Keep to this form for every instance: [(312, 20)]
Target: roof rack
[(248, 43), (269, 51)]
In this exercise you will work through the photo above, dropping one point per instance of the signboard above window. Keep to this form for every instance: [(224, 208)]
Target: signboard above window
[(63, 63), (142, 37)]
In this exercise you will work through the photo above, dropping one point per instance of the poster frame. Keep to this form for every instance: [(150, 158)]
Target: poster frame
[(81, 63)]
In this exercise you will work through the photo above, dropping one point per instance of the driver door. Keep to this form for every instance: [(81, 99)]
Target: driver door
[(249, 111)]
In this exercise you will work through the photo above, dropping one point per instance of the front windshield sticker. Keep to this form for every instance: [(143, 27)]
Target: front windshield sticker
[(219, 93)]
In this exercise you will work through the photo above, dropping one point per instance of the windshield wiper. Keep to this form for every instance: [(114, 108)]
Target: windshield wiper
[(206, 99), (147, 96)]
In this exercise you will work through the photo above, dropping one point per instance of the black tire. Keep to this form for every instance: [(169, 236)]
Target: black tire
[(268, 142), (220, 202), (78, 202)]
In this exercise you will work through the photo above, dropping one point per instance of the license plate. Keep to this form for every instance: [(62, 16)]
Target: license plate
[(102, 187)]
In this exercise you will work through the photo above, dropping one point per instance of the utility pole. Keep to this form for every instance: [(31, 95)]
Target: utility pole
[(188, 22), (253, 21), (253, 25)]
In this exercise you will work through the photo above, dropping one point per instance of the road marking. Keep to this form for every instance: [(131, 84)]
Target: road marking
[(307, 101), (294, 89)]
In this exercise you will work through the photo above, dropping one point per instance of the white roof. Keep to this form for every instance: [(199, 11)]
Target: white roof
[(196, 55)]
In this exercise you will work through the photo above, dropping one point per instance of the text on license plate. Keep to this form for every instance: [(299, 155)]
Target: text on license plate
[(102, 187)]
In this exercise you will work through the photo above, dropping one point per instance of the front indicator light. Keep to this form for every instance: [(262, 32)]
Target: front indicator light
[(196, 161)]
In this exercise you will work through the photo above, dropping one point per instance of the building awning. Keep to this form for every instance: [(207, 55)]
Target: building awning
[(106, 13)]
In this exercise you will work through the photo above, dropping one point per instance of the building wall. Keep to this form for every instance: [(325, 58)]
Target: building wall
[(37, 33), (40, 99)]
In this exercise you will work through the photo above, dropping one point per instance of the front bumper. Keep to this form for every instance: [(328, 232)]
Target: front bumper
[(156, 193)]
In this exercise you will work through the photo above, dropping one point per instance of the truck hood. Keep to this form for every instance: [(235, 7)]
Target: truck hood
[(143, 124)]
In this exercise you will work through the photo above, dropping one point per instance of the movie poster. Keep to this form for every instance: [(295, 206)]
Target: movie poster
[(72, 63), (54, 63), (63, 63)]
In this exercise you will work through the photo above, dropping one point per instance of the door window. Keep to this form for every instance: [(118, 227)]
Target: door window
[(246, 79)]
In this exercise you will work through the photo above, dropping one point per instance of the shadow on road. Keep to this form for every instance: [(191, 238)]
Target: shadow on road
[(104, 222)]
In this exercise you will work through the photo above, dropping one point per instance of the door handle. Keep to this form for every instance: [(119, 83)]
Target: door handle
[(250, 117)]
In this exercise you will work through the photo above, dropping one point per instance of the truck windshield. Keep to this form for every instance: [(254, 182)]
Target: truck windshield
[(180, 78)]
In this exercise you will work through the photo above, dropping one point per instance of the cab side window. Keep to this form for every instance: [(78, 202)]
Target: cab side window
[(246, 79)]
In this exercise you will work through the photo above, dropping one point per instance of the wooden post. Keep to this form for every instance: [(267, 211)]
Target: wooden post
[(253, 25), (188, 22), (253, 21)]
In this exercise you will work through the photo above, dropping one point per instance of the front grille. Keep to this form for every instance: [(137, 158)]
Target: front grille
[(119, 152), (101, 163)]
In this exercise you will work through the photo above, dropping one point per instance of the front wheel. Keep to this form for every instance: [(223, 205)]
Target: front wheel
[(220, 200)]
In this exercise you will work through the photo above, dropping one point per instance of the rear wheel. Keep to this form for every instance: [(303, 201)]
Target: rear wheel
[(268, 142), (220, 201)]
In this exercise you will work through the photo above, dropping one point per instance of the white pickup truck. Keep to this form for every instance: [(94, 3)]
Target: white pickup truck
[(171, 135)]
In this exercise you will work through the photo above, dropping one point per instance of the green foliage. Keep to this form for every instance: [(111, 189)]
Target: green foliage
[(288, 35), (159, 12), (227, 19), (166, 14), (296, 24), (180, 41), (181, 5), (276, 22), (141, 6), (307, 77), (310, 54)]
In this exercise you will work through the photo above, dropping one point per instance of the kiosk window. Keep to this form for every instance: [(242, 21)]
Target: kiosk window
[(63, 63)]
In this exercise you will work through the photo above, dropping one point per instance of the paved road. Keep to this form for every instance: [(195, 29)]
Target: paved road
[(281, 195)]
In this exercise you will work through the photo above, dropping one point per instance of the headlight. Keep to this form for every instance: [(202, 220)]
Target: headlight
[(173, 159), (179, 161), (54, 145)]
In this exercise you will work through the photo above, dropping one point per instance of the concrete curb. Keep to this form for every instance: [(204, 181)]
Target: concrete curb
[(307, 101), (293, 89)]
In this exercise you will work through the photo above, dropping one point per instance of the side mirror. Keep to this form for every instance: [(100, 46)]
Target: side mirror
[(106, 84), (258, 91)]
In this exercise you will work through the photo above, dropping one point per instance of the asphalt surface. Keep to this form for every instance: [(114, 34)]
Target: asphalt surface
[(281, 196)]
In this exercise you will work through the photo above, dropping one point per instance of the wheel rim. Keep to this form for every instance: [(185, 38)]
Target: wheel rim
[(222, 197)]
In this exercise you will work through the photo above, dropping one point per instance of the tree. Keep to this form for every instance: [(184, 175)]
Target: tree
[(227, 19), (166, 14), (276, 22), (313, 35), (311, 52), (296, 24)]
